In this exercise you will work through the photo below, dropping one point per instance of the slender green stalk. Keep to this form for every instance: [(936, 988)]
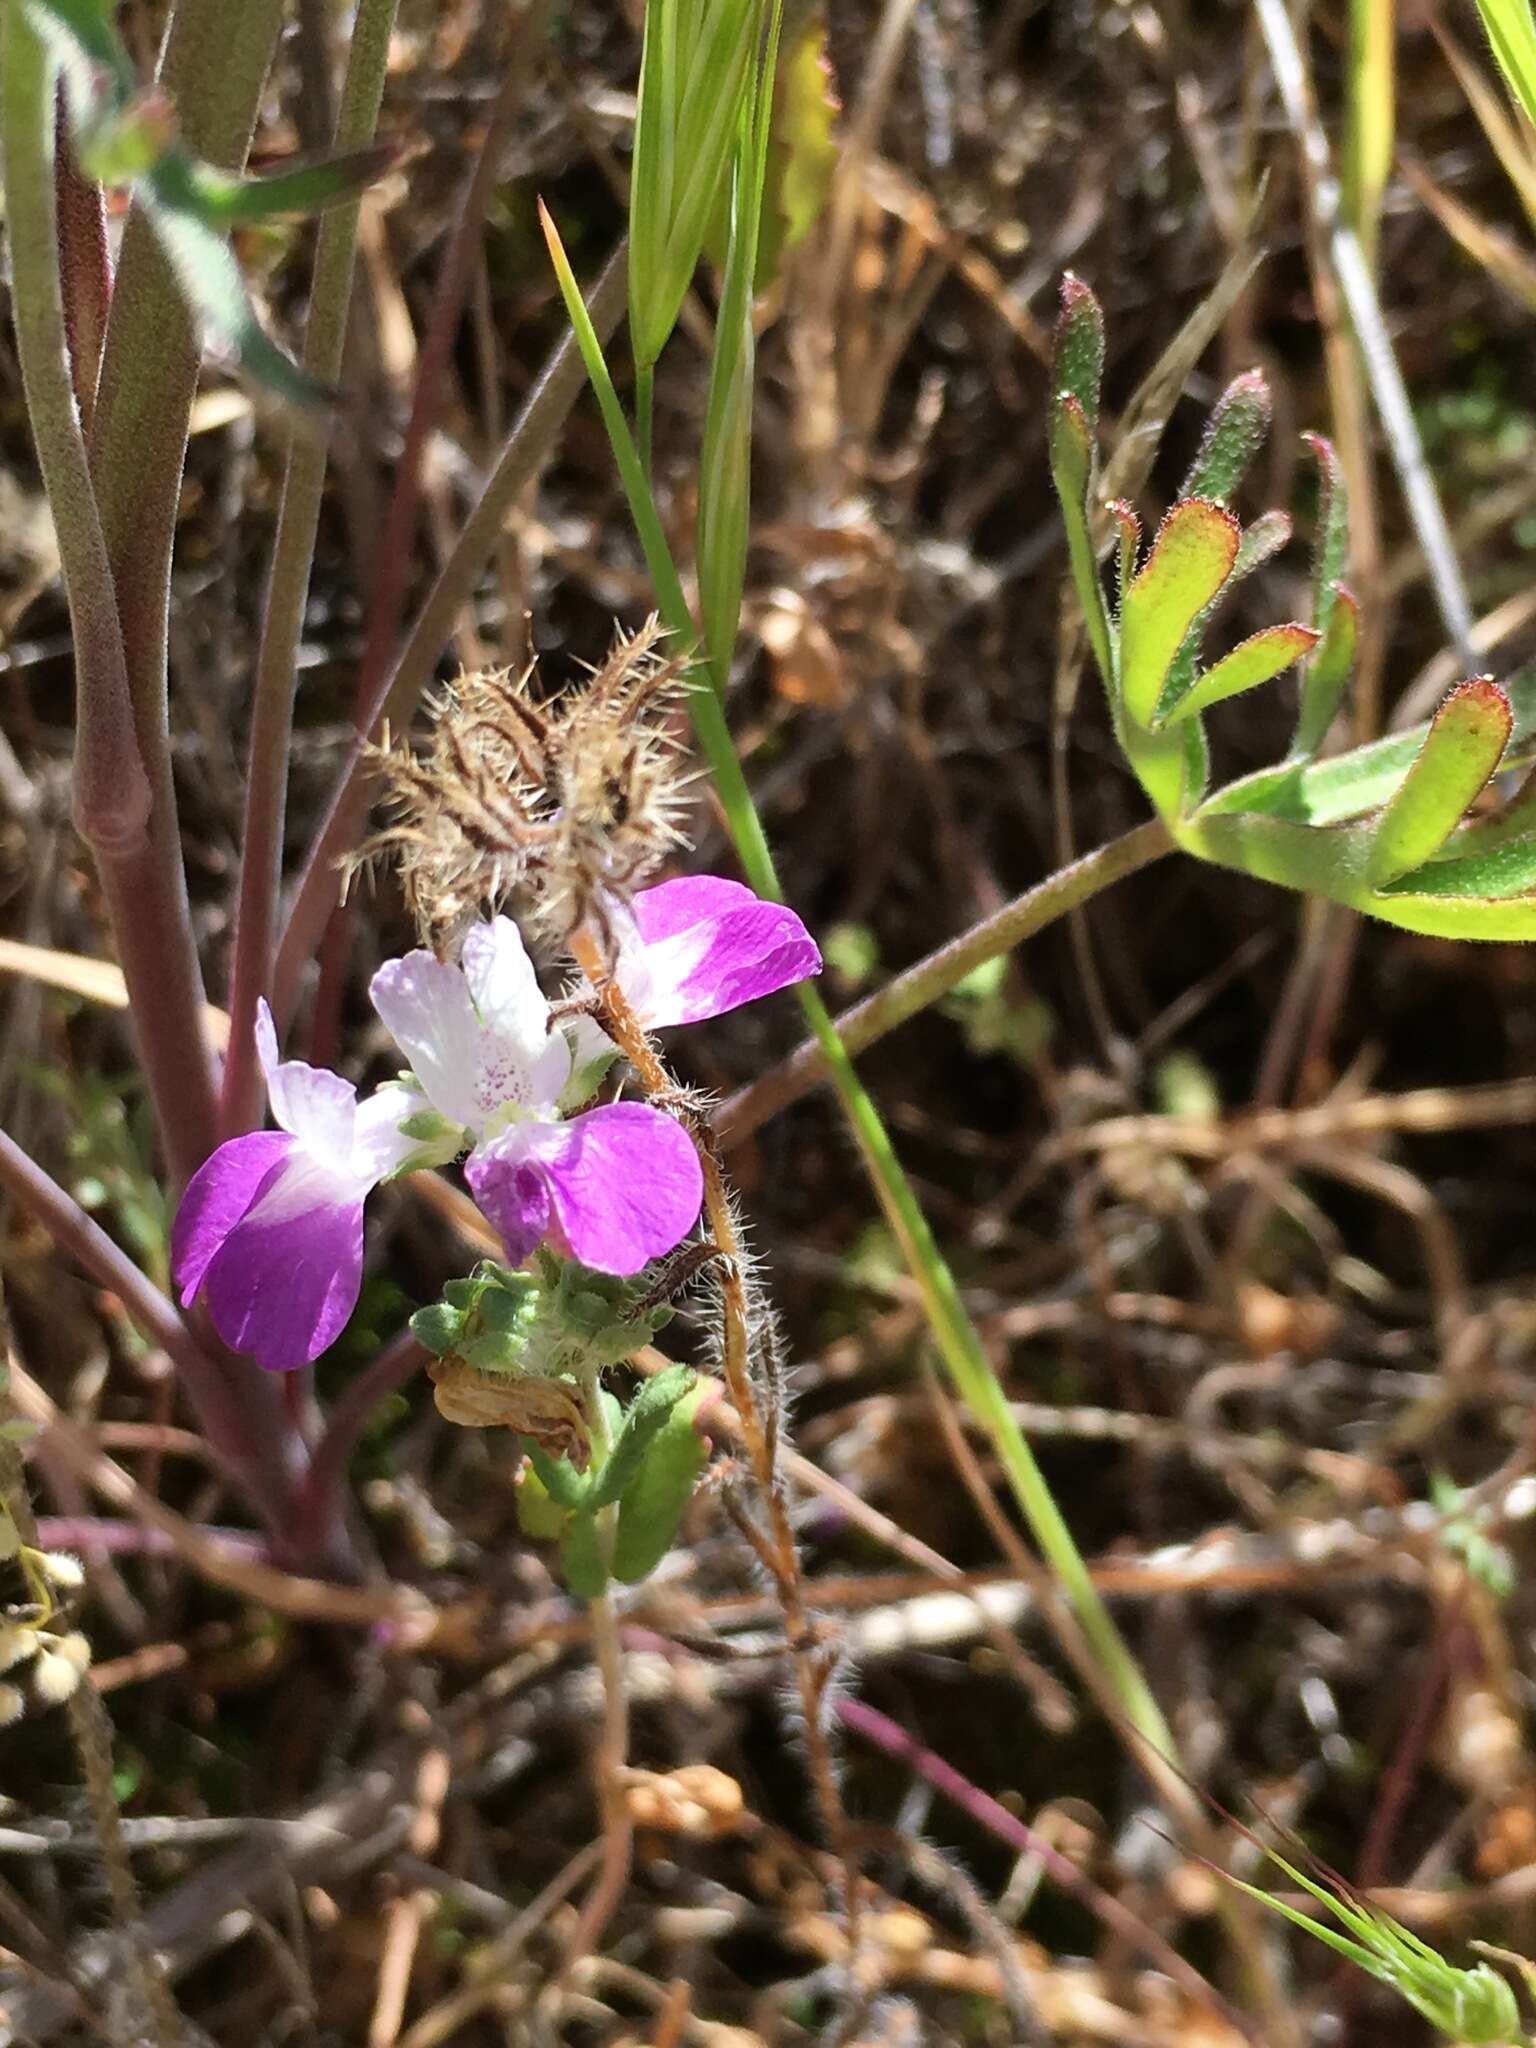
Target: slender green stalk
[(918, 987), (957, 1338), (298, 521), (1368, 138), (645, 394)]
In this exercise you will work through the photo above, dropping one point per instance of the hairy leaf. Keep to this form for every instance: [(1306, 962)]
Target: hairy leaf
[(654, 1505), (646, 1416), (1258, 659), (1465, 742), (1077, 370), (1233, 436), (1191, 559)]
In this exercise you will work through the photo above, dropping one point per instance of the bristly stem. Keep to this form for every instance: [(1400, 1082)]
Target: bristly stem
[(776, 1547), (956, 1335), (293, 552)]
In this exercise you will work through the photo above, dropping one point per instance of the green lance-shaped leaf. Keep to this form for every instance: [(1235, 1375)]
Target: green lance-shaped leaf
[(1260, 543), (1127, 549), (695, 69), (1077, 367), (1258, 659), (1071, 451), (1335, 613), (1191, 559), (1327, 674), (567, 1488), (223, 201), (654, 1505), (1511, 32), (1233, 436), (1466, 741), (646, 1416)]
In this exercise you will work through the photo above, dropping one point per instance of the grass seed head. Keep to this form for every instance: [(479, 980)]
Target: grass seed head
[(557, 804)]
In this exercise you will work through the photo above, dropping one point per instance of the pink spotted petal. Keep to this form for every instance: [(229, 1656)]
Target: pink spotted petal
[(283, 1283), (221, 1191), (624, 1183), (708, 945)]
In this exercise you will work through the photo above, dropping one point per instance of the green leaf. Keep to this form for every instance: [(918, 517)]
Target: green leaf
[(1258, 659), (1233, 436), (1077, 369), (1325, 677), (646, 1416), (1512, 38), (1127, 548), (583, 1565), (226, 202), (1466, 740), (654, 1505), (1495, 875), (1260, 543), (1330, 553), (1071, 452), (1191, 559)]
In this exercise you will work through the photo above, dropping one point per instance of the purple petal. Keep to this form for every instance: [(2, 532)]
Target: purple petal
[(511, 1191), (286, 1278), (710, 945), (622, 1184), (218, 1195)]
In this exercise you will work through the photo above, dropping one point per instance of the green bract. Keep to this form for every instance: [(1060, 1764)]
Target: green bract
[(1389, 828)]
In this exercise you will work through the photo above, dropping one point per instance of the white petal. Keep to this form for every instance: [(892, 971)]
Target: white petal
[(520, 1059), (316, 1106), (426, 1008), (380, 1145)]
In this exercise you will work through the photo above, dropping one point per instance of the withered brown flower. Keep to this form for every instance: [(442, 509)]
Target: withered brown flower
[(557, 803)]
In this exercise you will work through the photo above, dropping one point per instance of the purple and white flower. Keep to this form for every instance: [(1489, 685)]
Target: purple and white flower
[(701, 945), (270, 1229), (614, 1187)]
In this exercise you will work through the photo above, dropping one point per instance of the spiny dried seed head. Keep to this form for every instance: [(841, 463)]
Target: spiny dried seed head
[(557, 804)]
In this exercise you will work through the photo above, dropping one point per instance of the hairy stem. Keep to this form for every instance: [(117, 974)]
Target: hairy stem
[(918, 987), (525, 450), (778, 1549), (293, 552)]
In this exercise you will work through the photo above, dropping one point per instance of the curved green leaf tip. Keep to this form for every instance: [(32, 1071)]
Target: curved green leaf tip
[(1077, 370), (1464, 745), (1233, 436)]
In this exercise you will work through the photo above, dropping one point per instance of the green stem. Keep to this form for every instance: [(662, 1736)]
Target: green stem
[(957, 1338), (298, 521), (918, 987), (645, 393)]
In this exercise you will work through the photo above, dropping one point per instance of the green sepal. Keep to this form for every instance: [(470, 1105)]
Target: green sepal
[(1256, 660), (645, 1417), (1191, 559), (1233, 436), (583, 1565), (655, 1504), (1464, 745), (438, 1328)]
